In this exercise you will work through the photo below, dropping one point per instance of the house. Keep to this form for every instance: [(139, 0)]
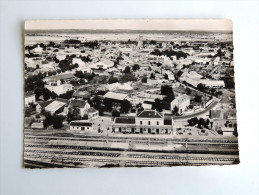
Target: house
[(62, 106), (146, 122), (82, 105), (92, 113), (56, 107), (81, 125), (181, 102), (212, 83), (29, 98), (228, 131), (37, 125), (59, 83)]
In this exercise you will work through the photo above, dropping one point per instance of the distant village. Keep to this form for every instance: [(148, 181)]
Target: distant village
[(139, 86)]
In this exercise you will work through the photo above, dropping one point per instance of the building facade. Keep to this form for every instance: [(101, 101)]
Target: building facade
[(81, 126), (181, 102), (146, 122)]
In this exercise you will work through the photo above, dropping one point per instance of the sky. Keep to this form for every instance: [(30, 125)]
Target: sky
[(138, 24)]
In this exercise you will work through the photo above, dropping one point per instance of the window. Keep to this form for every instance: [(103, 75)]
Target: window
[(141, 122), (148, 122), (157, 123)]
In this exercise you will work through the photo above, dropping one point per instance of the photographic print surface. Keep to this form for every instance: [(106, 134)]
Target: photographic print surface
[(129, 93)]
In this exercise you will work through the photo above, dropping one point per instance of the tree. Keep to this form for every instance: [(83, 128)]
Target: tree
[(125, 106), (81, 81), (67, 95), (58, 121), (213, 90), (152, 76), (115, 113), (165, 76), (73, 114), (128, 77), (201, 123), (107, 104), (48, 119), (193, 121), (188, 91), (135, 67), (144, 79), (79, 74), (38, 92), (112, 80), (127, 70), (198, 98), (201, 87), (157, 105), (96, 101), (46, 94), (175, 110), (168, 91)]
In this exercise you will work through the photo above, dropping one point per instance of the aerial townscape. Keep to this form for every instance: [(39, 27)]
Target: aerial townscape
[(129, 99)]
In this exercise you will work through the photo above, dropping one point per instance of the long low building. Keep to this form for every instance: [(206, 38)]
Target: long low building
[(81, 125), (146, 122)]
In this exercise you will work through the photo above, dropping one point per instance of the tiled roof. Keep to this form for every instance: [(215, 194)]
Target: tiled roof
[(91, 110), (81, 123), (29, 93), (78, 103), (150, 114), (125, 120)]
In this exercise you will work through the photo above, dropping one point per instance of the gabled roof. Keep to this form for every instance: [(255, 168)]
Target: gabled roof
[(150, 114), (116, 96), (54, 106), (46, 103), (61, 76), (29, 93), (81, 123), (124, 120), (91, 110), (78, 103), (181, 98)]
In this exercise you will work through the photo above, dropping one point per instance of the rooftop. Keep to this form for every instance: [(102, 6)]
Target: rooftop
[(124, 120), (150, 114), (78, 103), (81, 123), (62, 76), (116, 96)]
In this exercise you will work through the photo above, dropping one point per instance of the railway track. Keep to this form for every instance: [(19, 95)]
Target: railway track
[(67, 150)]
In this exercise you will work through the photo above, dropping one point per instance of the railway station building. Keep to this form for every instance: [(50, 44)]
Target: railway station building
[(146, 122), (81, 126)]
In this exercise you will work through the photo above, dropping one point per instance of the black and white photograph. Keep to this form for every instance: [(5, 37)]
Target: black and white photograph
[(129, 93)]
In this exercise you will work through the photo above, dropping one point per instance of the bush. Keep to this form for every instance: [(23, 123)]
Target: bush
[(115, 113), (58, 121)]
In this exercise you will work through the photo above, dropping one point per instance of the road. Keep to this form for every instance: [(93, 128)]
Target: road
[(198, 114)]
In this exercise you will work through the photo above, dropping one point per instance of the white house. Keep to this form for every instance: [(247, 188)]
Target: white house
[(82, 105), (227, 131), (59, 83), (181, 102), (29, 98), (81, 125), (92, 113)]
